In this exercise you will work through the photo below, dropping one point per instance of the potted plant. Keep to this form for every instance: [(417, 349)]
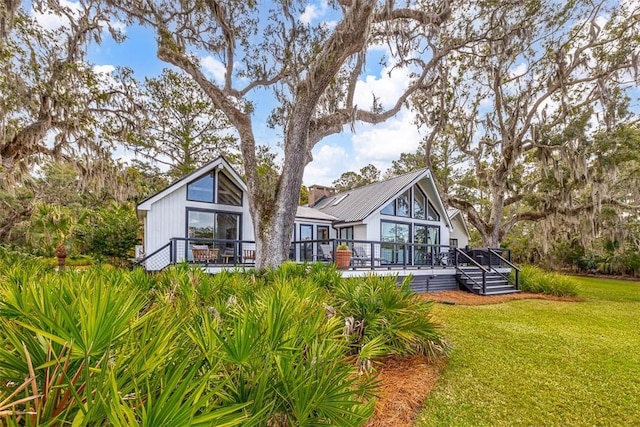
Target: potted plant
[(343, 256)]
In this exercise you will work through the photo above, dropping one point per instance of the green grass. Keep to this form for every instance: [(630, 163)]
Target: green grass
[(533, 362)]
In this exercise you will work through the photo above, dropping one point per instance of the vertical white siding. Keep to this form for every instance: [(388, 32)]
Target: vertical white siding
[(459, 232), (166, 219)]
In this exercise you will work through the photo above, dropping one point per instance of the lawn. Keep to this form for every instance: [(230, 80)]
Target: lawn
[(532, 362)]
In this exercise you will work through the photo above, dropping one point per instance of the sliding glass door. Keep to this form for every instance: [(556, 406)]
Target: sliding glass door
[(398, 233)]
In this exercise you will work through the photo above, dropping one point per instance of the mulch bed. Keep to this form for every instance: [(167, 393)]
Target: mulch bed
[(405, 382)]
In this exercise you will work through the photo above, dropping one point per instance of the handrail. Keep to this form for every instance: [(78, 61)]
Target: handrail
[(154, 253), (474, 262), (510, 264)]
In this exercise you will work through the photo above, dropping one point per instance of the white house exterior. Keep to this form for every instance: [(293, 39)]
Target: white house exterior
[(459, 236), (404, 215)]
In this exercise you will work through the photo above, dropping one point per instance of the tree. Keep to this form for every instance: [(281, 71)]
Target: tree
[(182, 130), (110, 231), (310, 70), (522, 110), (52, 103), (8, 9), (350, 180)]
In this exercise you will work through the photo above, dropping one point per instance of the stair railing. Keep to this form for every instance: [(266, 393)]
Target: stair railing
[(510, 264), (475, 263), (158, 259)]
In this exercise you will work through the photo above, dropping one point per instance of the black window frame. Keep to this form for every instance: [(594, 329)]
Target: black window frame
[(211, 175)]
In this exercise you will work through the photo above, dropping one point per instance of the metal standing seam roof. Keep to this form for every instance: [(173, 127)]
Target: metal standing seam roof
[(311, 213), (359, 203)]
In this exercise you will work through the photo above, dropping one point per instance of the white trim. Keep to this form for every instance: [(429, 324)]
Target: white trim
[(219, 163)]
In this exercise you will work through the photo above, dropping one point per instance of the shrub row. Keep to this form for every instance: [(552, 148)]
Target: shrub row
[(534, 279), (107, 346)]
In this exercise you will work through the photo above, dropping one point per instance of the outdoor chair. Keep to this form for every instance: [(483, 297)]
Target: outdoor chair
[(325, 253), (202, 253), (249, 255), (360, 256)]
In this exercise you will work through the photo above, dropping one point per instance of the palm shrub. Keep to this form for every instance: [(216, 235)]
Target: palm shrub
[(534, 279), (382, 317), (93, 351), (106, 346), (285, 358)]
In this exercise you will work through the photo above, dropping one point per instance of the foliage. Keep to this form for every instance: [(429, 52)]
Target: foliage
[(349, 180), (49, 225), (111, 231), (536, 280), (53, 104), (182, 130), (536, 114), (183, 347), (538, 362), (382, 317)]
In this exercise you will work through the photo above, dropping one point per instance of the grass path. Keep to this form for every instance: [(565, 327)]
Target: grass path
[(533, 362)]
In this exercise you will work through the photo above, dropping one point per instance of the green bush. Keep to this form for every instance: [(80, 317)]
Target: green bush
[(110, 232), (536, 280), (383, 318), (107, 346)]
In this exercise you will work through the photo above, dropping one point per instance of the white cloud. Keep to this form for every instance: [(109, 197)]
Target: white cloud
[(387, 88), (51, 21), (329, 162), (312, 12), (378, 145), (214, 68), (518, 70), (381, 144), (104, 69)]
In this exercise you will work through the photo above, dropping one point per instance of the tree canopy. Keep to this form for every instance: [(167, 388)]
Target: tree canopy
[(525, 107), (308, 70)]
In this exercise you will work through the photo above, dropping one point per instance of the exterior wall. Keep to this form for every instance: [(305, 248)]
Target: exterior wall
[(165, 220), (459, 232), (360, 232)]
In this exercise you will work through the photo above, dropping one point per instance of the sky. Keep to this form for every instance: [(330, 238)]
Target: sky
[(348, 151)]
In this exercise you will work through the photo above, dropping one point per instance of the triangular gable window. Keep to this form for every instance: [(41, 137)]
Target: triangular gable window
[(412, 203), (201, 190)]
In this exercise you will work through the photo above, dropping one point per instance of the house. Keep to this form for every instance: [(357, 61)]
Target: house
[(400, 223), (212, 203)]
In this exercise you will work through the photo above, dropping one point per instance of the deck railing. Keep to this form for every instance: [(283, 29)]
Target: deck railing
[(366, 254)]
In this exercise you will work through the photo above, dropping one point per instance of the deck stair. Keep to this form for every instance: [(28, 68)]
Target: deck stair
[(471, 279)]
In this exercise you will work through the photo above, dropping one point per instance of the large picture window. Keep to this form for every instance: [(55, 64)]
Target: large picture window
[(201, 190), (396, 233), (412, 204), (228, 192), (213, 225)]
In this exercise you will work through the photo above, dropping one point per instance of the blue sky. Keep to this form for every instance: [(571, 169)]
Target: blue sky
[(378, 145)]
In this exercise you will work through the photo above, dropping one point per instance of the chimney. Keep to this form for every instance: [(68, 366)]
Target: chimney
[(319, 192)]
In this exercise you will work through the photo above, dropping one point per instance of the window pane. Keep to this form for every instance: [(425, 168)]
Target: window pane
[(228, 192), (390, 209), (323, 233), (227, 226), (201, 190), (403, 205), (433, 213), (306, 249), (419, 204), (201, 225)]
